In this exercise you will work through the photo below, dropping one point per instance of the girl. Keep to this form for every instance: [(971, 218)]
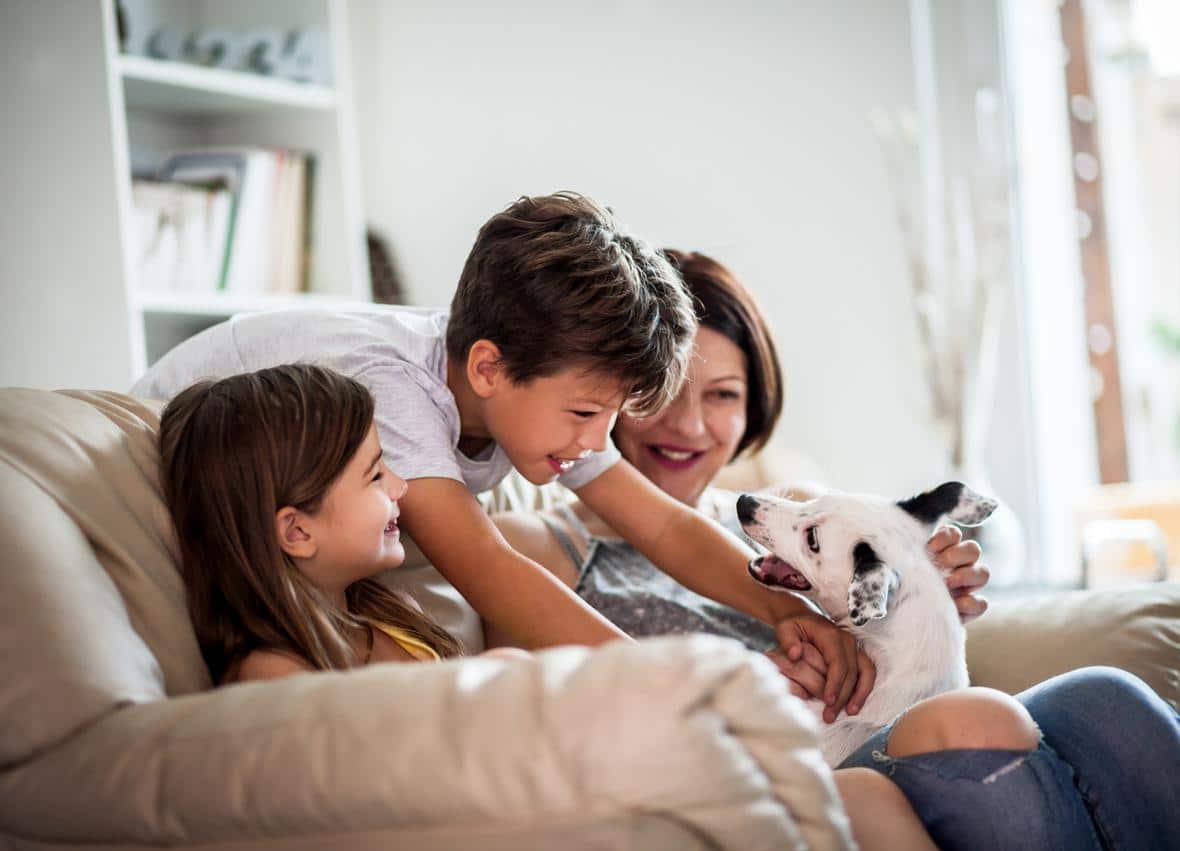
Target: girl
[(284, 511)]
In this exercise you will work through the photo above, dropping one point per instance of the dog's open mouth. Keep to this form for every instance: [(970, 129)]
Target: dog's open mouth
[(773, 571)]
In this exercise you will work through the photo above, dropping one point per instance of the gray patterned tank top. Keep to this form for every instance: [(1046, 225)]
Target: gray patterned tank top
[(640, 599)]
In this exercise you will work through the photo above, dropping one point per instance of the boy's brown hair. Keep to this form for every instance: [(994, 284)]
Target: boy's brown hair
[(235, 451), (554, 283)]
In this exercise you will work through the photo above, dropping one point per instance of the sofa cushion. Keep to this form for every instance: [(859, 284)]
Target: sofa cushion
[(692, 730), (1023, 640), (89, 595)]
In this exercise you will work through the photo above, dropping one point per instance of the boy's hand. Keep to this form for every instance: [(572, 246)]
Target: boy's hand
[(804, 667), (849, 674), (964, 576)]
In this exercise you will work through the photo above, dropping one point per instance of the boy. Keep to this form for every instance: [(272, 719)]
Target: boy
[(559, 321)]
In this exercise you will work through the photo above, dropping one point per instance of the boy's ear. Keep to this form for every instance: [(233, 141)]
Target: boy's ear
[(294, 538), (484, 367)]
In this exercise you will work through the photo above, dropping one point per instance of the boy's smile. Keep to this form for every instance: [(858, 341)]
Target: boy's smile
[(546, 425), (564, 465)]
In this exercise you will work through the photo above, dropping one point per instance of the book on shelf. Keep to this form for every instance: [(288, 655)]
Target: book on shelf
[(181, 234), (267, 231)]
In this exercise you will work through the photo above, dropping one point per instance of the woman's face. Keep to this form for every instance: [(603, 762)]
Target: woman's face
[(683, 447)]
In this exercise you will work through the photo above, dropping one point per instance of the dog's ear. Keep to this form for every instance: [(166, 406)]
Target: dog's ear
[(952, 499), (872, 583)]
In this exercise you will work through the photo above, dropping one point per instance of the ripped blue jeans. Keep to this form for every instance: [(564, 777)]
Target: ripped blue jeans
[(1106, 774)]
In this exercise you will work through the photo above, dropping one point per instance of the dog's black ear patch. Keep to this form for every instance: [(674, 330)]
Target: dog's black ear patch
[(872, 583), (864, 559), (951, 499)]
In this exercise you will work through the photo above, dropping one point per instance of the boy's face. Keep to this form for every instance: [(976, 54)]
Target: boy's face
[(546, 425)]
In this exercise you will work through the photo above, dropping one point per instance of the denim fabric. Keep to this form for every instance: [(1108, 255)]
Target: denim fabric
[(1105, 775), (1123, 742)]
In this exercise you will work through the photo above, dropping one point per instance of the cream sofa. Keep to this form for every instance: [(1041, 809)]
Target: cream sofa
[(110, 736)]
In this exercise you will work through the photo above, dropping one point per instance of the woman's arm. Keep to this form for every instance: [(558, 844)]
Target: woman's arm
[(510, 591), (528, 535)]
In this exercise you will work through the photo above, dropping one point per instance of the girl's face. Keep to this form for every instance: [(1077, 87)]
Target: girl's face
[(355, 531), (683, 447)]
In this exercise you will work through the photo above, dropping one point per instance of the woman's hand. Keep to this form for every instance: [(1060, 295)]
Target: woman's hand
[(827, 661), (964, 576)]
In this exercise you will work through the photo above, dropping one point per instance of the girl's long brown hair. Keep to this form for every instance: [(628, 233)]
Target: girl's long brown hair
[(233, 453)]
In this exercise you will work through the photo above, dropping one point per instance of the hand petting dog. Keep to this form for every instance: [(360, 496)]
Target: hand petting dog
[(965, 575)]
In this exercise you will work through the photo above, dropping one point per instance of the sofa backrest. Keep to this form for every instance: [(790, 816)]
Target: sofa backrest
[(92, 610)]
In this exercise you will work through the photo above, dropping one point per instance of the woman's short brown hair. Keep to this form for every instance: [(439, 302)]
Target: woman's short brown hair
[(555, 283), (725, 305)]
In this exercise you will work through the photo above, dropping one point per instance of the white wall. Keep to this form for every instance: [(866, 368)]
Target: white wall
[(739, 129), (64, 316)]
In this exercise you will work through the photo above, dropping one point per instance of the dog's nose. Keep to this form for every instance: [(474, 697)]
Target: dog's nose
[(746, 505)]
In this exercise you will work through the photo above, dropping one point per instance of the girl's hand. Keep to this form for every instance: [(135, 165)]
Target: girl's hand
[(849, 673), (964, 576)]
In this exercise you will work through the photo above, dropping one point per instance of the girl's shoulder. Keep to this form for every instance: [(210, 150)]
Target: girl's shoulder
[(266, 664)]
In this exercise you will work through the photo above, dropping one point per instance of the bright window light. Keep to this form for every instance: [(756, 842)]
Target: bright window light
[(1157, 23)]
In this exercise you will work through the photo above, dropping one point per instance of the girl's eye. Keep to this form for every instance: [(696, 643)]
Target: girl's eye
[(728, 394), (584, 415), (812, 539), (377, 477)]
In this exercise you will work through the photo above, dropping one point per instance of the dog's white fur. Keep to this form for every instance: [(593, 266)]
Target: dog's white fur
[(896, 604)]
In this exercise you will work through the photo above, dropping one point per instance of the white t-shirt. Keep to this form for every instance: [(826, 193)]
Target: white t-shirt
[(398, 354)]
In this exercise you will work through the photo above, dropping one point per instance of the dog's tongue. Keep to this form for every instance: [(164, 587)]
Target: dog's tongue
[(772, 570)]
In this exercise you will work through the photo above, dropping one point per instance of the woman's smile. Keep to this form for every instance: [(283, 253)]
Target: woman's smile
[(674, 457)]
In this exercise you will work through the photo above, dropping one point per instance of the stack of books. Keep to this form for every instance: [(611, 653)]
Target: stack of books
[(225, 219)]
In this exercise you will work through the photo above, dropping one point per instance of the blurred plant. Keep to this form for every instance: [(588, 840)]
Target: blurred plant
[(955, 229)]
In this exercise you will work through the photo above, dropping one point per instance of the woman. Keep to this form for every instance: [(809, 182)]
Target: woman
[(1011, 784)]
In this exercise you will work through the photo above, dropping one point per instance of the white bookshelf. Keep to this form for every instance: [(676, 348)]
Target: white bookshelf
[(88, 116), (222, 304), (177, 89)]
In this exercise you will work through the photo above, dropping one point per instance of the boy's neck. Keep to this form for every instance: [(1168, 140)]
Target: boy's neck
[(473, 434)]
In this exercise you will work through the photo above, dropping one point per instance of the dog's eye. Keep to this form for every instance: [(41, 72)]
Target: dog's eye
[(812, 539)]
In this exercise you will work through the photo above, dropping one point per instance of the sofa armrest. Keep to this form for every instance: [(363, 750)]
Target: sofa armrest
[(1023, 640), (695, 730)]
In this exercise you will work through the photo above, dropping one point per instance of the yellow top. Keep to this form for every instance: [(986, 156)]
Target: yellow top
[(413, 645)]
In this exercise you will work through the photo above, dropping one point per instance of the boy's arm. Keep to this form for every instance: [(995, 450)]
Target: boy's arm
[(514, 593), (683, 543)]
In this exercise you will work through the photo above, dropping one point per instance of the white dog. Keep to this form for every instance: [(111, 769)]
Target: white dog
[(864, 560)]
